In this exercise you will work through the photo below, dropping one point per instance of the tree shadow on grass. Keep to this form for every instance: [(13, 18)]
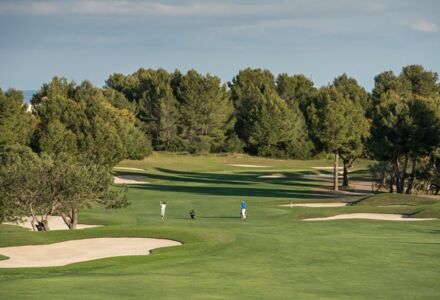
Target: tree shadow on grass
[(217, 217), (291, 181), (242, 178), (185, 177), (236, 191)]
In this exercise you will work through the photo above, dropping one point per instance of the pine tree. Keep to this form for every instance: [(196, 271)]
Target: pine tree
[(204, 111), (264, 120), (16, 123), (336, 121)]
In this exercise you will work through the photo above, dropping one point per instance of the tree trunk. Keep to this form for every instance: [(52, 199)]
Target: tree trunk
[(383, 179), (335, 171), (66, 220), (392, 180), (404, 175), (71, 220), (45, 222), (74, 218), (397, 176), (345, 174), (413, 175), (34, 218)]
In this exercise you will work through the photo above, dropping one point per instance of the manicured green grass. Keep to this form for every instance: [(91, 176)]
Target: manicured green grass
[(416, 206), (271, 255)]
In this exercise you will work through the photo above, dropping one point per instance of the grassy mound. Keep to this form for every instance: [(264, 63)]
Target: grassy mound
[(416, 206)]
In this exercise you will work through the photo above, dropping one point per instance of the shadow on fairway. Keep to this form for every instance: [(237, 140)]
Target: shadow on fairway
[(242, 178), (187, 177), (223, 217), (235, 191)]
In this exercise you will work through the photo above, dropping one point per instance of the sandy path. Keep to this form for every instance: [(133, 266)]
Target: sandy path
[(64, 253), (248, 166), (337, 204), (129, 179), (369, 216), (326, 168), (127, 168), (55, 223)]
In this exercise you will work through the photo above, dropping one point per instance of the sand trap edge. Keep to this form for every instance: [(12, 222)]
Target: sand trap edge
[(272, 176), (55, 223), (370, 216), (315, 205), (65, 253), (125, 179)]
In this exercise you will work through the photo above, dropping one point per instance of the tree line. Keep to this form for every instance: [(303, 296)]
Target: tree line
[(83, 127), (286, 116)]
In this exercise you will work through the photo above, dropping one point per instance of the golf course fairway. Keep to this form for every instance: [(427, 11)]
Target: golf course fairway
[(272, 254)]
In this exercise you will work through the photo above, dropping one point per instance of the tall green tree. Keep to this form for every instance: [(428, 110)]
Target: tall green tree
[(80, 121), (405, 109), (296, 90), (335, 121), (156, 107), (264, 120), (21, 172), (80, 186), (299, 91), (402, 131), (205, 111), (40, 186), (420, 82), (351, 90), (16, 123), (424, 134)]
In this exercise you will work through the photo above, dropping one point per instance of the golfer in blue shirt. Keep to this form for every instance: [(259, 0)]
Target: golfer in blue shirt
[(243, 209)]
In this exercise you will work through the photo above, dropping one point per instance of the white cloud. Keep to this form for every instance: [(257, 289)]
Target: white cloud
[(425, 26)]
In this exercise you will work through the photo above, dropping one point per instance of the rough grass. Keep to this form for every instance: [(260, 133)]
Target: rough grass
[(271, 255)]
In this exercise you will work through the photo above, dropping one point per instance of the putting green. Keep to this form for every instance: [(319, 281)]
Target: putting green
[(270, 255)]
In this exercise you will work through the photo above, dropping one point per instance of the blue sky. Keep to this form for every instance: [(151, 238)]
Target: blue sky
[(318, 38)]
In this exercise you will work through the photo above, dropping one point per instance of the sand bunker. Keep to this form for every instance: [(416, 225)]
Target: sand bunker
[(127, 168), (273, 176), (64, 253), (337, 204), (129, 179), (248, 166), (55, 223), (370, 216)]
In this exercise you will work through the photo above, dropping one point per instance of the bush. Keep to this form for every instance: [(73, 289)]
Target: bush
[(234, 145)]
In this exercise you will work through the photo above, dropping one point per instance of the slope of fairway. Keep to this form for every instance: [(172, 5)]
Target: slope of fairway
[(271, 255)]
